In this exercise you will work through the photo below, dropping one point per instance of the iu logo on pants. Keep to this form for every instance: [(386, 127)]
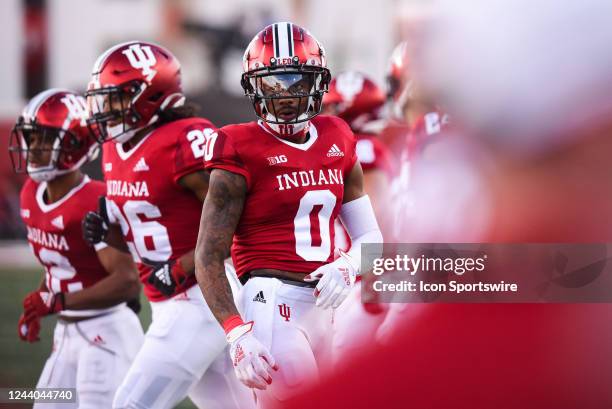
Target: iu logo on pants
[(285, 311)]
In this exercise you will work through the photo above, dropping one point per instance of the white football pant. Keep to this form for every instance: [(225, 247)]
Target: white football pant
[(288, 323), (183, 341), (92, 356), (354, 328)]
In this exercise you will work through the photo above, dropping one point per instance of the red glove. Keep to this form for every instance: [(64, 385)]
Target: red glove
[(37, 304), (28, 331)]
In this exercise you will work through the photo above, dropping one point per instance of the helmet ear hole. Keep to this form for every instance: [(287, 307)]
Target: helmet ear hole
[(75, 143), (155, 97)]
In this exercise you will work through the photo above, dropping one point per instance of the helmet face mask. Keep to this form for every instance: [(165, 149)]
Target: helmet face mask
[(285, 75), (286, 95), (51, 138), (39, 150), (112, 114)]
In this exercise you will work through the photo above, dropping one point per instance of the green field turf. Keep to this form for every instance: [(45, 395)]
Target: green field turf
[(20, 362)]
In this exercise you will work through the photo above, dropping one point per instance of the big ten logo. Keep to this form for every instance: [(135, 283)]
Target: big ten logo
[(142, 58), (273, 160), (77, 108), (202, 142)]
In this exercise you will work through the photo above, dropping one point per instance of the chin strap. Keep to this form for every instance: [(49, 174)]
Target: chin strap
[(288, 131)]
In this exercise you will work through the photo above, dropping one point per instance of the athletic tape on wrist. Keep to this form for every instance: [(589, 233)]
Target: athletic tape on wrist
[(231, 323)]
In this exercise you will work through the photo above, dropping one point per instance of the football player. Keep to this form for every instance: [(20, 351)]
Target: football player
[(413, 116), (153, 162), (358, 100), (276, 187), (415, 122), (97, 335)]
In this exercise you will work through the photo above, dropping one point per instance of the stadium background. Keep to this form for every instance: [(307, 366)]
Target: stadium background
[(53, 43)]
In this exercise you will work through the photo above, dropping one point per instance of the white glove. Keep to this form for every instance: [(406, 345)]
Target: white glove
[(252, 361), (335, 281)]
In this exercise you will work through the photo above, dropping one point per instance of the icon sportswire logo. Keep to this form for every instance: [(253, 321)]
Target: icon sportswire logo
[(334, 151)]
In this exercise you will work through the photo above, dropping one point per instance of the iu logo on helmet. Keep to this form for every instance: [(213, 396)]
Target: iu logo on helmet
[(349, 84), (285, 311), (77, 107), (142, 58)]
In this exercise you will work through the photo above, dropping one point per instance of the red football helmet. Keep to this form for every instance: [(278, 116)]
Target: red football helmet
[(52, 124), (355, 98), (130, 84), (398, 76), (285, 75)]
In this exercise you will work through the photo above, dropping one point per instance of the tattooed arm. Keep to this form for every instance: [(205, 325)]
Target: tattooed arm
[(220, 215)]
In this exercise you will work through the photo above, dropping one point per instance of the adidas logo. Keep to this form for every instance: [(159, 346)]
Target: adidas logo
[(141, 166), (108, 167), (58, 222), (334, 151), (260, 297)]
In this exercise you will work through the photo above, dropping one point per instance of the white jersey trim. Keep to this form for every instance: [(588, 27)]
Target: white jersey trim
[(126, 154), (40, 195)]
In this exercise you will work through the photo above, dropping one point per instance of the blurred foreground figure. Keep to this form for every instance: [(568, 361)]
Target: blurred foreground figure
[(357, 99), (415, 121), (529, 86)]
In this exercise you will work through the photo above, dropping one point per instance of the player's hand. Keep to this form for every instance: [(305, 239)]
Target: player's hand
[(335, 281), (252, 361), (95, 224), (165, 276), (37, 304), (28, 331)]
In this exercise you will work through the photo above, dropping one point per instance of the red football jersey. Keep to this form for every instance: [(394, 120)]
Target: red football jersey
[(55, 235), (373, 154), (159, 218), (294, 192)]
